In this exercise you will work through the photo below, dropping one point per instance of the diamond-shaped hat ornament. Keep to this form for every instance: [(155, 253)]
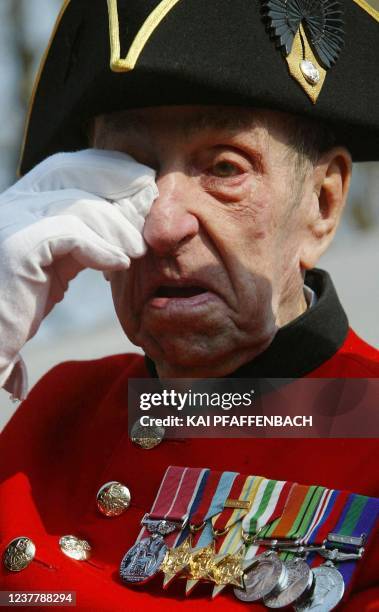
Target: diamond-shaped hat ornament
[(311, 36)]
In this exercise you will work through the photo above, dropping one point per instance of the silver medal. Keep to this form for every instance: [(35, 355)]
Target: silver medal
[(267, 575), (143, 560), (328, 590), (299, 582)]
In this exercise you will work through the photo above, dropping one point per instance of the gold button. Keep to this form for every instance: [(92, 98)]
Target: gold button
[(19, 553), (74, 548), (113, 498), (146, 437)]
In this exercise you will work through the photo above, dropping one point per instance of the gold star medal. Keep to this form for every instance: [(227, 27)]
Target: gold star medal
[(199, 566), (175, 561), (230, 569), (227, 569)]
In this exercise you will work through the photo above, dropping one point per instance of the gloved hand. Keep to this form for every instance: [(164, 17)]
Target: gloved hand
[(72, 211)]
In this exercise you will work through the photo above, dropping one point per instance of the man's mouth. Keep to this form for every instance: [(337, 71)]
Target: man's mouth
[(180, 297), (165, 291)]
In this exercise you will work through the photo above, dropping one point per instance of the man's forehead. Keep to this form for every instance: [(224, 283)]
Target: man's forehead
[(187, 120)]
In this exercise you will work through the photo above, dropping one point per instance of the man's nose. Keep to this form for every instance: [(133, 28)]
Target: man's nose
[(171, 221)]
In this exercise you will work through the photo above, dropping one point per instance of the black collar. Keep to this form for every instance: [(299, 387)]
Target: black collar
[(302, 345)]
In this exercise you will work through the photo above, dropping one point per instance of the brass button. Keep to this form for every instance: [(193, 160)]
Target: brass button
[(146, 437), (113, 498), (19, 553), (73, 547)]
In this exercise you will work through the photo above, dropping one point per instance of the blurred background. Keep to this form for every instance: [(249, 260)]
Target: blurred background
[(84, 326)]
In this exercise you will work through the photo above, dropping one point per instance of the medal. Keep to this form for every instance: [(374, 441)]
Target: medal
[(144, 559), (228, 526), (178, 560), (216, 493), (168, 515), (260, 536), (200, 563), (298, 581), (228, 569), (264, 504), (175, 560), (294, 577), (327, 592), (299, 575), (355, 518), (267, 575)]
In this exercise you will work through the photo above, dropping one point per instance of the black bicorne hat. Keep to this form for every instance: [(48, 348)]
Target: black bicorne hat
[(314, 58)]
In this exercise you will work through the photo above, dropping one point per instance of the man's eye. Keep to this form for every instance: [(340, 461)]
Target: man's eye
[(225, 169)]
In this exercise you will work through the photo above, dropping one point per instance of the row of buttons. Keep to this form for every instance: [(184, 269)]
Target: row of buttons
[(112, 499)]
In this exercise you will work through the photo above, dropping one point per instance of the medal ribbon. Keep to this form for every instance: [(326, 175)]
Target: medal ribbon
[(244, 490), (229, 519), (176, 495), (327, 518), (360, 516), (230, 522), (216, 493), (240, 487), (228, 483), (268, 505), (301, 506), (325, 521), (344, 514)]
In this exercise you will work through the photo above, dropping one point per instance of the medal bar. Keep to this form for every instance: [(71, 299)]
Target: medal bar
[(265, 538)]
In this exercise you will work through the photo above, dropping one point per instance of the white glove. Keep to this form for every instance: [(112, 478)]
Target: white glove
[(72, 211)]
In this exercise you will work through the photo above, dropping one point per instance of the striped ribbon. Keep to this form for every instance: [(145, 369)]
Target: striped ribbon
[(268, 505), (277, 510), (215, 495), (342, 513), (359, 517), (177, 493), (300, 508), (234, 486), (230, 521), (328, 519), (325, 522)]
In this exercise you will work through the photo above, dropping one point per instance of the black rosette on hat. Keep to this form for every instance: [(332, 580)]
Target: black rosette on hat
[(322, 20)]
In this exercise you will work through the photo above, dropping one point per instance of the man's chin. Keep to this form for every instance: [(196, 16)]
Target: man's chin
[(212, 347), (197, 357)]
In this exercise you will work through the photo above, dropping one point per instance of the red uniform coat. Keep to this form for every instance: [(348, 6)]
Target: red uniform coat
[(70, 437)]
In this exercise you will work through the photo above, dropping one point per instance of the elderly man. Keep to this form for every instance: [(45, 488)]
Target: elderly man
[(210, 188)]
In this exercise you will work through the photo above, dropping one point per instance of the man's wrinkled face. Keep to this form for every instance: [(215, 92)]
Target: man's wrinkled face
[(222, 271)]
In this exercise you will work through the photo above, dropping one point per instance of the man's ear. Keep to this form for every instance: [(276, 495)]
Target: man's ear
[(331, 181)]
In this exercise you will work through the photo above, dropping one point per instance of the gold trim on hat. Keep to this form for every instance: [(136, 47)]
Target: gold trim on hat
[(368, 8), (119, 64), (301, 50), (37, 80)]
